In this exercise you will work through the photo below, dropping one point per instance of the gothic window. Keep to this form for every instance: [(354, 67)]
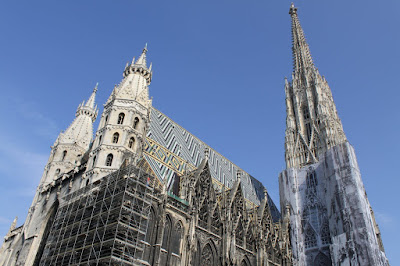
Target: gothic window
[(167, 233), (131, 142), (310, 238), (94, 160), (100, 137), (176, 239), (135, 123), (244, 263), (121, 117), (325, 235), (106, 120), (63, 155), (58, 172), (207, 256), (151, 228), (115, 137), (109, 160)]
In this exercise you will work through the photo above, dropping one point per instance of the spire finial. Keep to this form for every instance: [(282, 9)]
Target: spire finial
[(145, 48), (293, 9), (91, 101), (301, 52)]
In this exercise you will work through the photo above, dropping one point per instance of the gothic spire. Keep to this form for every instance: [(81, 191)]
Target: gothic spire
[(81, 129), (312, 123), (302, 60)]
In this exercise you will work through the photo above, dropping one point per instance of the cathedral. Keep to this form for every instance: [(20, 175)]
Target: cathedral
[(145, 191)]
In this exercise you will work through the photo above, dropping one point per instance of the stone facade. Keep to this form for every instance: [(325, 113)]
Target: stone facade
[(195, 215), (147, 192), (331, 220)]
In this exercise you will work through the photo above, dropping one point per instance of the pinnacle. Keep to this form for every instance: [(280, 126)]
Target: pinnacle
[(91, 101), (142, 59)]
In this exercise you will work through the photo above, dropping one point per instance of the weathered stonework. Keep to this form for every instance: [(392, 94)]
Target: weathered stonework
[(147, 192), (330, 217)]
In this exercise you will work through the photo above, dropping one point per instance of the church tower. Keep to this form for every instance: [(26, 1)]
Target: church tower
[(124, 121), (331, 220), (71, 145), (312, 123)]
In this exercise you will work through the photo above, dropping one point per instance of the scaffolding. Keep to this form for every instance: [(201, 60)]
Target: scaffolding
[(104, 223)]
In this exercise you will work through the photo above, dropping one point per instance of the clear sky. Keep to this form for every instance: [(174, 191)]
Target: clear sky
[(219, 69)]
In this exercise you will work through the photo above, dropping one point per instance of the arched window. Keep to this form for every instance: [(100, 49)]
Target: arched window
[(63, 155), (94, 160), (167, 233), (208, 256), (310, 238), (176, 239), (109, 160), (135, 122), (131, 142), (121, 117), (115, 137), (58, 172), (100, 137), (322, 259), (106, 120)]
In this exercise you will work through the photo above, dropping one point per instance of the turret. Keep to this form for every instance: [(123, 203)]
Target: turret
[(71, 144), (124, 121)]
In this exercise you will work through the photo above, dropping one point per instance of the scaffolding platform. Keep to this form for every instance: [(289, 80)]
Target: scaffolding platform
[(104, 223)]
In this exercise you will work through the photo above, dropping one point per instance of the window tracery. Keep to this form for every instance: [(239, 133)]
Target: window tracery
[(207, 256), (310, 238), (325, 235)]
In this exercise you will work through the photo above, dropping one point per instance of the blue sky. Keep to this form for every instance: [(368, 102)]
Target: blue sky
[(219, 69)]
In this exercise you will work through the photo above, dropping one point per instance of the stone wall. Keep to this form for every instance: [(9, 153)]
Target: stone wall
[(331, 218)]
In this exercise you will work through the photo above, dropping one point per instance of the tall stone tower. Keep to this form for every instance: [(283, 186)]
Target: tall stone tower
[(331, 219), (23, 245), (71, 145), (124, 121)]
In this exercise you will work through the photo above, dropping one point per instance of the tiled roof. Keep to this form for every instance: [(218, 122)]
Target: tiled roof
[(181, 150)]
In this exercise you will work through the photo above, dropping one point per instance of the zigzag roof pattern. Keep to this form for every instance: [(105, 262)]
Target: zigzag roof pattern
[(190, 150)]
